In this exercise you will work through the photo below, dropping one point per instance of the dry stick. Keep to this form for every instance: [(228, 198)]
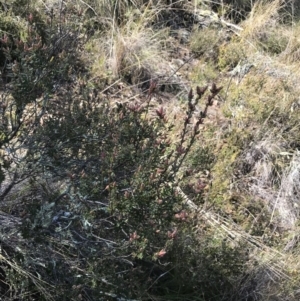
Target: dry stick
[(110, 85), (230, 25)]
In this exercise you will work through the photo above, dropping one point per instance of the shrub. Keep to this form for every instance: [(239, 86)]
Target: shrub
[(120, 197)]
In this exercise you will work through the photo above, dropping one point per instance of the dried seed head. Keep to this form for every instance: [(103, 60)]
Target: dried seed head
[(190, 95), (214, 89), (161, 113), (201, 91)]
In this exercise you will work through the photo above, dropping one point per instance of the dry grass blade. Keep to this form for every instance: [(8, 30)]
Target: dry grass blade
[(232, 231)]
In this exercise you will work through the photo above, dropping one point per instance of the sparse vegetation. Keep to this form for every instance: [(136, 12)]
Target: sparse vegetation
[(149, 150)]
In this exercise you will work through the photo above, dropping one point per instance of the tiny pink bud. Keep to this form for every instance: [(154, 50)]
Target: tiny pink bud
[(30, 17)]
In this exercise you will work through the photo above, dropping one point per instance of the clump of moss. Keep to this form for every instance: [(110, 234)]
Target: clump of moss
[(205, 42), (230, 54), (204, 72)]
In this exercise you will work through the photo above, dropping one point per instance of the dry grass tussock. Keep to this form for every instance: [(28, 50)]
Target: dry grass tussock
[(262, 16), (291, 54), (269, 29), (264, 29), (272, 179), (134, 53)]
